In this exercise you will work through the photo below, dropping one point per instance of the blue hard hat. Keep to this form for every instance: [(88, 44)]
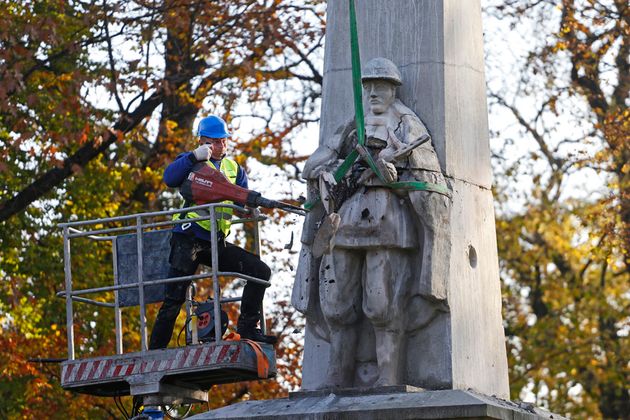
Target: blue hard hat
[(213, 127)]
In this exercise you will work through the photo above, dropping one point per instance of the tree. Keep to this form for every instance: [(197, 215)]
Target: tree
[(81, 84), (220, 51), (564, 239)]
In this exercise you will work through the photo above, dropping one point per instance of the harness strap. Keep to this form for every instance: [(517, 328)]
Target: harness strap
[(262, 362), (356, 75)]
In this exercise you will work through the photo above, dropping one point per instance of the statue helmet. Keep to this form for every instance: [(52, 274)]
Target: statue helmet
[(381, 69), (213, 127)]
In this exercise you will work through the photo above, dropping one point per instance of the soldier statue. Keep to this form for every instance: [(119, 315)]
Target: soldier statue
[(373, 245)]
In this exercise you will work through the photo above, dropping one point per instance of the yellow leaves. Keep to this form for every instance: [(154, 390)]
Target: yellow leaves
[(171, 125), (241, 159), (560, 46), (66, 77), (170, 147)]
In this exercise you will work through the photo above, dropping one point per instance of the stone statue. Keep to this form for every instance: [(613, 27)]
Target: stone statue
[(374, 264)]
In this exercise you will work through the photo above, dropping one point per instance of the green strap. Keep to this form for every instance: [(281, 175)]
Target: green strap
[(346, 165), (360, 123), (357, 91), (356, 75), (358, 102), (420, 186)]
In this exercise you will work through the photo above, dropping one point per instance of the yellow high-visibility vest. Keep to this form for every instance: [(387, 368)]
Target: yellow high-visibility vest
[(229, 168)]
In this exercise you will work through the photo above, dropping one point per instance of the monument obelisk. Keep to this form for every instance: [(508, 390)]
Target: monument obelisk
[(423, 75), (437, 46)]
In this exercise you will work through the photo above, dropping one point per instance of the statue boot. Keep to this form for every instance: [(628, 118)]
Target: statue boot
[(388, 355), (342, 361)]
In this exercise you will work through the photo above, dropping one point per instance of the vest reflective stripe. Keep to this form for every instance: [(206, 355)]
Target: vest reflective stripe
[(229, 168)]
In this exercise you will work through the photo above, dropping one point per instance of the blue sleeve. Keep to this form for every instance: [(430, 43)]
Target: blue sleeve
[(241, 178), (178, 170)]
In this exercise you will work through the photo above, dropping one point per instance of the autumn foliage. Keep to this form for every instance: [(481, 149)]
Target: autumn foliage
[(95, 98), (563, 226)]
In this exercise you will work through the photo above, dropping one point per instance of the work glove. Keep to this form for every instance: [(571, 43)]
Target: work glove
[(202, 153)]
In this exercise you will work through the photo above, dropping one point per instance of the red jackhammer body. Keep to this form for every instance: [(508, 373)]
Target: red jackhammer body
[(207, 185)]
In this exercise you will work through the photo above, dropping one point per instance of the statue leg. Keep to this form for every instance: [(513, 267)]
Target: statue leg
[(340, 299), (388, 274)]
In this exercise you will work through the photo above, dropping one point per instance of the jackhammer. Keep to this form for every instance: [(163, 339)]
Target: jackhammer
[(207, 185)]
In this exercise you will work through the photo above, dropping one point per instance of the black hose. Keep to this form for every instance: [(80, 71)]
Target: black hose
[(121, 407), (47, 360), (182, 330)]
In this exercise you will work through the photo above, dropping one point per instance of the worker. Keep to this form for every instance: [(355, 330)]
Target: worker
[(191, 243)]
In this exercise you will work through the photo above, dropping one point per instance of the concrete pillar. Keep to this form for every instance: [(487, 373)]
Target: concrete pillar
[(437, 45)]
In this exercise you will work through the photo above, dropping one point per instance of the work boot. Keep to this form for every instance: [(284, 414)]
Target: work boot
[(247, 327)]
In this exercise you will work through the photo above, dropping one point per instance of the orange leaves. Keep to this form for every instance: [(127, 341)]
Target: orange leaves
[(31, 389), (83, 134), (13, 363)]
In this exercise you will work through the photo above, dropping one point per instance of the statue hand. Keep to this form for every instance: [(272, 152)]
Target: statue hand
[(388, 170), (394, 140), (389, 154)]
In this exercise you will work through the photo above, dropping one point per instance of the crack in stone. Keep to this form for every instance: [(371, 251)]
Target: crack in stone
[(450, 177)]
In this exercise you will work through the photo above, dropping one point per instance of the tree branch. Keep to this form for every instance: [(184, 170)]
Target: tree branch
[(52, 178)]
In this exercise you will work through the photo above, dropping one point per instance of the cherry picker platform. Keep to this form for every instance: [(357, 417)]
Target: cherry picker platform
[(180, 375), (169, 375)]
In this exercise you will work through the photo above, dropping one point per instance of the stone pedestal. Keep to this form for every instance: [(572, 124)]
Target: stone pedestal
[(395, 403), (437, 45)]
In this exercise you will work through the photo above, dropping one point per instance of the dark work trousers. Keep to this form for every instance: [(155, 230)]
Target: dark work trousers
[(187, 252)]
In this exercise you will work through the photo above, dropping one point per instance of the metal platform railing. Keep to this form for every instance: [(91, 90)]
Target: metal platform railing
[(141, 227)]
